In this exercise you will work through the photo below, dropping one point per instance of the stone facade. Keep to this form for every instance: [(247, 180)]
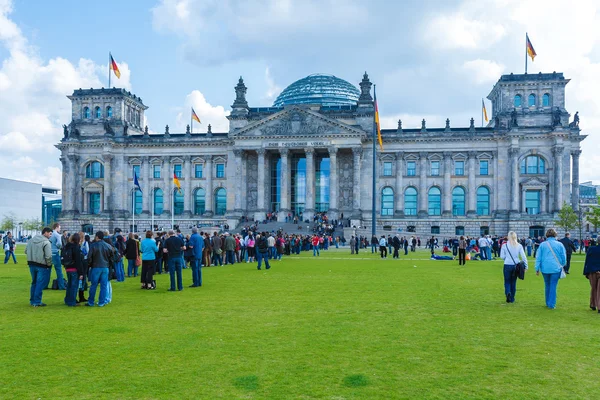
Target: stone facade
[(272, 159)]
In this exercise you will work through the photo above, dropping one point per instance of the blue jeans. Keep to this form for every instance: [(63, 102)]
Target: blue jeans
[(120, 271), (217, 259), (510, 282), (482, 253), (551, 282), (58, 269), (72, 288), (98, 276), (39, 280), (316, 250), (488, 253), (7, 257), (175, 266), (229, 257), (373, 248), (196, 272), (131, 268), (528, 251), (262, 256)]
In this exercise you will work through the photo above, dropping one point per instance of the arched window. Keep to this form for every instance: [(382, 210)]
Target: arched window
[(483, 201), (86, 113), (458, 201), (387, 201), (533, 165), (518, 100), (109, 112), (94, 170), (220, 201), (137, 201), (98, 112), (531, 101), (434, 198), (546, 100), (158, 201), (178, 202), (199, 201), (410, 201)]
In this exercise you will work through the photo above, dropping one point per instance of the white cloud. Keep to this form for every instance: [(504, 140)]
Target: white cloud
[(460, 30), (208, 114), (273, 89), (482, 71)]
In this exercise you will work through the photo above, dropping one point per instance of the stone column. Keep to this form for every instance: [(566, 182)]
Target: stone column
[(67, 196), (309, 208), (239, 192), (260, 201), (167, 174), (558, 153), (472, 205), (523, 200), (209, 187), (399, 193), (75, 185), (543, 199), (575, 185), (514, 162), (447, 211), (357, 154), (107, 206), (146, 185), (284, 207), (423, 184), (333, 183), (187, 186)]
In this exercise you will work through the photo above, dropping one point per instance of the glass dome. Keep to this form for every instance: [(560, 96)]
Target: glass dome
[(326, 90)]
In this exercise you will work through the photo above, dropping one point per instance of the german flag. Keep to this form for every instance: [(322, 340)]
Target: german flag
[(176, 182), (195, 116), (530, 50), (114, 67), (484, 110), (377, 125)]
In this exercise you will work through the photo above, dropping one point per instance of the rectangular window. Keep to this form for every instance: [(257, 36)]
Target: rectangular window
[(532, 201), (387, 168), (459, 168), (435, 230), (94, 203), (459, 230), (435, 168), (198, 170), (177, 170), (411, 168), (136, 171), (156, 171), (220, 170), (483, 167)]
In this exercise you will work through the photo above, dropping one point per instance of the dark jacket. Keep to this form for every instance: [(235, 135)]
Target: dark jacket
[(101, 254), (77, 258), (263, 244), (592, 260), (569, 246), (131, 249), (216, 242)]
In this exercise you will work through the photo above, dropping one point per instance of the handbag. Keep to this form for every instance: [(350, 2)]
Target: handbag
[(6, 247), (519, 267), (138, 260), (562, 270)]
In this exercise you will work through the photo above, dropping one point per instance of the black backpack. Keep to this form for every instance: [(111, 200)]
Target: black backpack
[(66, 257)]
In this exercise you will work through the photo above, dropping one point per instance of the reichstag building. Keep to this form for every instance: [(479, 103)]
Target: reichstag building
[(311, 151)]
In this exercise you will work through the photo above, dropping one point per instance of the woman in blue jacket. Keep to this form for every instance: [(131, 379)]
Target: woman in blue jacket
[(550, 258), (591, 270), (149, 250)]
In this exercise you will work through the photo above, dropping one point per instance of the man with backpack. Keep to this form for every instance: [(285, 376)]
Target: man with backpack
[(262, 247)]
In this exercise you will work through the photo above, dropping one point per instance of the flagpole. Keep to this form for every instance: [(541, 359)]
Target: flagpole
[(152, 210), (526, 52), (133, 204), (373, 202), (109, 69), (191, 120), (482, 103), (173, 204)]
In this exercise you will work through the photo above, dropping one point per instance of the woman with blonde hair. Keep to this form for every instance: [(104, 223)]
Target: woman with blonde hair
[(512, 253)]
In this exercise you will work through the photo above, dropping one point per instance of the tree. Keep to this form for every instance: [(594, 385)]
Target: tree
[(567, 218), (593, 216), (33, 224), (9, 221)]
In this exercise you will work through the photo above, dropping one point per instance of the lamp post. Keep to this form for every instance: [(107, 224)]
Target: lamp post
[(580, 227)]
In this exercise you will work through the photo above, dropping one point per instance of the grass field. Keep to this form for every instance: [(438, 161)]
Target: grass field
[(333, 327)]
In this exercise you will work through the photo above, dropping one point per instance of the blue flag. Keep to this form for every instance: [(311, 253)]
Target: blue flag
[(136, 182)]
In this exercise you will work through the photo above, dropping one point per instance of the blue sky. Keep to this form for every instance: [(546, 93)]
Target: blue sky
[(430, 59)]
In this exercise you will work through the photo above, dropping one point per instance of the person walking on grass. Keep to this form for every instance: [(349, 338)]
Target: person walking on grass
[(462, 251), (550, 259), (39, 259), (570, 248), (383, 247), (99, 260), (512, 253), (174, 247), (9, 248), (197, 244), (149, 250), (591, 270)]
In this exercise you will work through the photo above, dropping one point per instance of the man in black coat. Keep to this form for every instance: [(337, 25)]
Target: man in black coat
[(569, 247), (396, 243)]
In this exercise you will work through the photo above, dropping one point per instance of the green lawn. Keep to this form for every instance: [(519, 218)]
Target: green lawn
[(333, 327)]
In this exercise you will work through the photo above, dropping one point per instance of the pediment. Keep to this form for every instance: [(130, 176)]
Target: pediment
[(197, 160), (387, 157), (534, 182), (297, 121), (156, 160), (459, 156), (484, 156), (219, 159), (93, 185)]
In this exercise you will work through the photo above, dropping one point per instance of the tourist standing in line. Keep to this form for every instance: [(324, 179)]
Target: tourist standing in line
[(207, 250), (512, 253), (56, 242), (550, 259), (462, 251), (174, 247), (569, 248), (39, 259), (217, 245), (591, 270), (396, 244), (149, 250), (99, 260), (131, 254), (75, 270), (197, 244), (120, 251), (374, 244), (262, 247), (229, 244)]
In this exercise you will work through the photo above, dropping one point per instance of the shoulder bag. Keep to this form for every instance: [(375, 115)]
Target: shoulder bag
[(138, 260), (519, 267), (562, 270)]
